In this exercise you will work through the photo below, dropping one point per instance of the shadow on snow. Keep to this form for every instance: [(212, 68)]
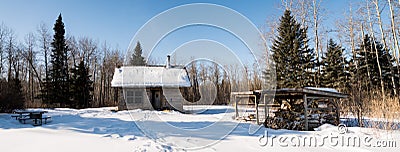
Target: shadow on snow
[(121, 128)]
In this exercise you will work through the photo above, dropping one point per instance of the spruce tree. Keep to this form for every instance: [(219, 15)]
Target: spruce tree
[(11, 94), (81, 87), (294, 61), (16, 93), (368, 65), (333, 67), (137, 59), (56, 87), (308, 60)]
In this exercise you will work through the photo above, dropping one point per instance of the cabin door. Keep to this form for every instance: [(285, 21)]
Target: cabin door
[(156, 100)]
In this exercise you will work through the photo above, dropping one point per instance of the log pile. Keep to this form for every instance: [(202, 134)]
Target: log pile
[(292, 116)]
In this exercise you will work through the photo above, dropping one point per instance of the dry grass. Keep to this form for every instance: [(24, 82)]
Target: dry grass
[(376, 110), (383, 111)]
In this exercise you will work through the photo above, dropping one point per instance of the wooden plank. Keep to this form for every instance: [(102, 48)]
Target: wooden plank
[(236, 107), (266, 109), (257, 116), (305, 111), (244, 96), (324, 93), (243, 93)]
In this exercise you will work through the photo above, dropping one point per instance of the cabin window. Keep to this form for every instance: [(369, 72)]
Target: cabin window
[(130, 95), (138, 96), (134, 96)]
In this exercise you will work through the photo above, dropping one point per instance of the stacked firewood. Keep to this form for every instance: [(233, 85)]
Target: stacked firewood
[(292, 117)]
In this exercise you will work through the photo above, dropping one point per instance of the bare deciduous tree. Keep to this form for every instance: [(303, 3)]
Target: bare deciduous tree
[(394, 35), (316, 14), (30, 56), (88, 48), (383, 39), (371, 32), (44, 39), (11, 53), (4, 32)]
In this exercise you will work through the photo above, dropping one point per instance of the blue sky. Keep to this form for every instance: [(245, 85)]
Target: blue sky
[(117, 21)]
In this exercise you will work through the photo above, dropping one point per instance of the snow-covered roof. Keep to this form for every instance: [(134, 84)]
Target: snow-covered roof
[(323, 89), (310, 91), (147, 76)]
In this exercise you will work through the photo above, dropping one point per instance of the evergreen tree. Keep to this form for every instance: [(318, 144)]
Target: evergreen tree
[(368, 65), (294, 61), (11, 95), (137, 59), (56, 87), (333, 67), (16, 94), (308, 61), (81, 87)]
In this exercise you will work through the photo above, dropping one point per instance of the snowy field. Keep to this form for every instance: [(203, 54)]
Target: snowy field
[(209, 129)]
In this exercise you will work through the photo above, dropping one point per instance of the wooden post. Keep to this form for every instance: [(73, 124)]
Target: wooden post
[(116, 97), (256, 104), (305, 112), (266, 109), (336, 103), (236, 107)]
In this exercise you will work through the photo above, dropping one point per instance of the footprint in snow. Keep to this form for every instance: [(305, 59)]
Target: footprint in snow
[(130, 137), (113, 136)]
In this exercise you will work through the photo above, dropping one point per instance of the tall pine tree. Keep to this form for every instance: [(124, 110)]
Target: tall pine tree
[(368, 65), (137, 59), (333, 67), (56, 88), (11, 94), (81, 87), (294, 61)]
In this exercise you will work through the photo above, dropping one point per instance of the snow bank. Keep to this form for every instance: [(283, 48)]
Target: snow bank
[(101, 129)]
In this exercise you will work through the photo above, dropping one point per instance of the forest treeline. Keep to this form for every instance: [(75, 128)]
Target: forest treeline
[(50, 68), (357, 54)]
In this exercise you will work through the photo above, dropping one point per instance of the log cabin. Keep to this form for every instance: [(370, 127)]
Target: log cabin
[(150, 87)]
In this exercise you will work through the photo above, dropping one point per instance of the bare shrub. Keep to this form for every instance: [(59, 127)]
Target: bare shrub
[(383, 111)]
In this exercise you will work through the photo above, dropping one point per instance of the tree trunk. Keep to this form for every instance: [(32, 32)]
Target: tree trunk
[(376, 51), (394, 34), (352, 39), (315, 17), (378, 13), (365, 58)]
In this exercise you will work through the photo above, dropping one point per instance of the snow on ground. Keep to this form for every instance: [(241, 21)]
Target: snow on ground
[(210, 128)]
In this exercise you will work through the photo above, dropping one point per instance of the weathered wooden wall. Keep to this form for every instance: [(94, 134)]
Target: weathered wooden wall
[(173, 102)]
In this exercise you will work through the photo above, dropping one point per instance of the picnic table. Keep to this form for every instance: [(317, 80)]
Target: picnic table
[(36, 116)]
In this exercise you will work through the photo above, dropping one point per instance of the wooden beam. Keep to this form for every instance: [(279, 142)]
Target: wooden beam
[(266, 109), (243, 93), (318, 97), (300, 91), (324, 93), (305, 112), (336, 103), (236, 107), (257, 116)]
